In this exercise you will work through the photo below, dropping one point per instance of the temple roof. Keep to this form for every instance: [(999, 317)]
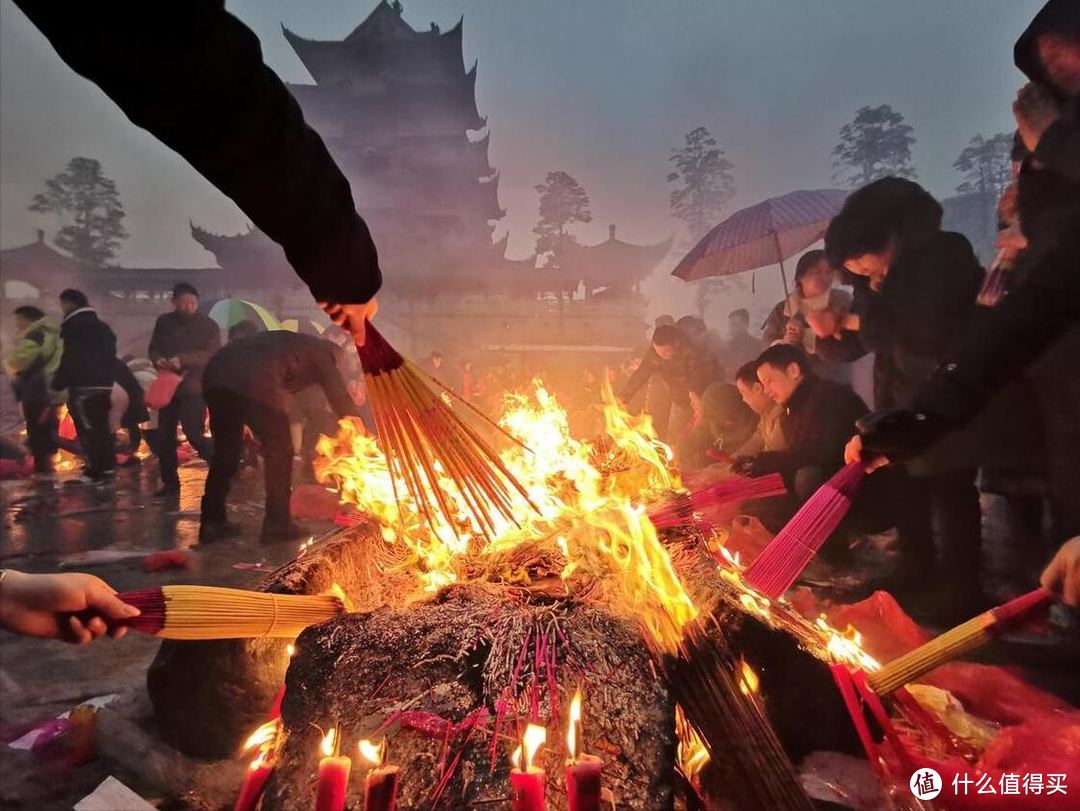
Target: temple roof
[(613, 263)]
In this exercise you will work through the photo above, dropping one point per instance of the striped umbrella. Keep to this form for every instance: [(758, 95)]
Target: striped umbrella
[(763, 234)]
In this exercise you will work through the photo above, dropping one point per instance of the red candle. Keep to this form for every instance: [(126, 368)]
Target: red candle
[(333, 776), (254, 781), (380, 785), (265, 740), (582, 771), (527, 780)]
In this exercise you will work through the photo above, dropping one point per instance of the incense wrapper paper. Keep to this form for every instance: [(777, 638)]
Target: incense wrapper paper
[(380, 789), (583, 783), (527, 789)]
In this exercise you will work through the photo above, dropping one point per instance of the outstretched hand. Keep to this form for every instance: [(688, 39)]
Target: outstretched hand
[(50, 605), (351, 317), (1062, 575)]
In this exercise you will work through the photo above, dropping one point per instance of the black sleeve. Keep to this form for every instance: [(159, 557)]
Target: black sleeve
[(60, 376), (155, 350), (333, 385), (638, 379), (1006, 340), (193, 76), (845, 349), (1059, 149)]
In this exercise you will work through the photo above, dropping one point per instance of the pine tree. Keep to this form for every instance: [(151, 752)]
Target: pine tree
[(562, 202), (706, 182), (985, 164), (89, 209), (875, 144)]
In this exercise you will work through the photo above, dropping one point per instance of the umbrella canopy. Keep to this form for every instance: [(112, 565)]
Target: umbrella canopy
[(763, 234), (303, 326), (228, 312)]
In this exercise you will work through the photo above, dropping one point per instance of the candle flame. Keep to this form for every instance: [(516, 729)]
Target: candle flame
[(748, 679), (372, 753), (534, 737), (266, 740), (328, 745), (291, 650), (573, 726)]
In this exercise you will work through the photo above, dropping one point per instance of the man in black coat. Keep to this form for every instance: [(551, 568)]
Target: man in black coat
[(192, 75), (915, 289), (86, 370), (249, 382), (183, 342)]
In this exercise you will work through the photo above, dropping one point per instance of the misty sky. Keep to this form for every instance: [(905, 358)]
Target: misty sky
[(600, 88)]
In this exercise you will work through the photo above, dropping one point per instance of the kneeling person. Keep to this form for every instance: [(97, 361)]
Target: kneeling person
[(249, 382)]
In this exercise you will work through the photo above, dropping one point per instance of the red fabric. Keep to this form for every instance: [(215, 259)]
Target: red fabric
[(163, 389), (887, 631), (313, 502), (67, 428), (162, 561)]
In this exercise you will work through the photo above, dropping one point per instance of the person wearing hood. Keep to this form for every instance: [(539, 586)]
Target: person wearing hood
[(915, 288), (183, 342), (1044, 305), (31, 365), (87, 369)]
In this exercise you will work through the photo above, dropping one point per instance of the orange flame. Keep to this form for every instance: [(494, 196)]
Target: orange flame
[(374, 755), (600, 526), (328, 746), (749, 683), (535, 736), (691, 754), (573, 726), (265, 740)]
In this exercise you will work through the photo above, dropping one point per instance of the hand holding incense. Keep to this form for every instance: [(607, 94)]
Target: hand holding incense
[(380, 785), (526, 779), (962, 639), (582, 771), (333, 775)]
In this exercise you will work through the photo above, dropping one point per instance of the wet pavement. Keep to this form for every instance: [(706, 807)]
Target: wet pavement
[(62, 526)]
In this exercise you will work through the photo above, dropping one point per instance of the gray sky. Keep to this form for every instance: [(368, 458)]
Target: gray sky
[(600, 88)]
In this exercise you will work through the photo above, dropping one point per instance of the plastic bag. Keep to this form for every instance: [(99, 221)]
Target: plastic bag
[(163, 389)]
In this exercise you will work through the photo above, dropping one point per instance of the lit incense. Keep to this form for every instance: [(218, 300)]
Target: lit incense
[(380, 785), (527, 779), (333, 775), (582, 771)]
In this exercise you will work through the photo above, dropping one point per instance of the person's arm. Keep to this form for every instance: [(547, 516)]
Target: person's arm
[(63, 369), (73, 607), (772, 331), (26, 353), (193, 75), (337, 394), (638, 379), (1059, 149), (847, 348), (156, 352)]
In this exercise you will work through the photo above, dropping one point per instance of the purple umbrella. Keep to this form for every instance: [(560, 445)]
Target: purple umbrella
[(763, 234)]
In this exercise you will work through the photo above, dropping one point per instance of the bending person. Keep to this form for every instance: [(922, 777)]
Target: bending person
[(249, 382)]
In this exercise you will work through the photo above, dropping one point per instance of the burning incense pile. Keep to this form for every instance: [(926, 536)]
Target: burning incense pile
[(429, 445), (207, 612)]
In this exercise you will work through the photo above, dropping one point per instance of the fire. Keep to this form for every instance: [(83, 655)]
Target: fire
[(598, 520), (265, 740), (749, 683), (846, 646), (328, 745), (374, 755), (535, 736), (573, 726), (691, 754)]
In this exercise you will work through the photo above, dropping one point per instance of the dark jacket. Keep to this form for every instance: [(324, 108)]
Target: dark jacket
[(817, 423), (688, 371), (271, 366), (926, 300), (1046, 303), (193, 76), (136, 410), (89, 354), (194, 339)]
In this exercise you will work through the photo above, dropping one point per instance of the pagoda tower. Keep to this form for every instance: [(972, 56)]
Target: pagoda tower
[(397, 110)]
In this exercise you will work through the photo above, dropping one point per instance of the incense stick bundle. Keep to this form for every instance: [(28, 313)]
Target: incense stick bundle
[(783, 560), (425, 440), (962, 639), (680, 509), (208, 612), (756, 771)]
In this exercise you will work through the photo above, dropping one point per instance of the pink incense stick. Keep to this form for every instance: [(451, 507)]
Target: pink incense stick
[(784, 559)]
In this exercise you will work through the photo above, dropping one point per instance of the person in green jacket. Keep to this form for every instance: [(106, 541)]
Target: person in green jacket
[(31, 365)]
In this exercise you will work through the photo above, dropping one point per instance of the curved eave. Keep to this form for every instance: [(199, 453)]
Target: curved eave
[(451, 42)]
